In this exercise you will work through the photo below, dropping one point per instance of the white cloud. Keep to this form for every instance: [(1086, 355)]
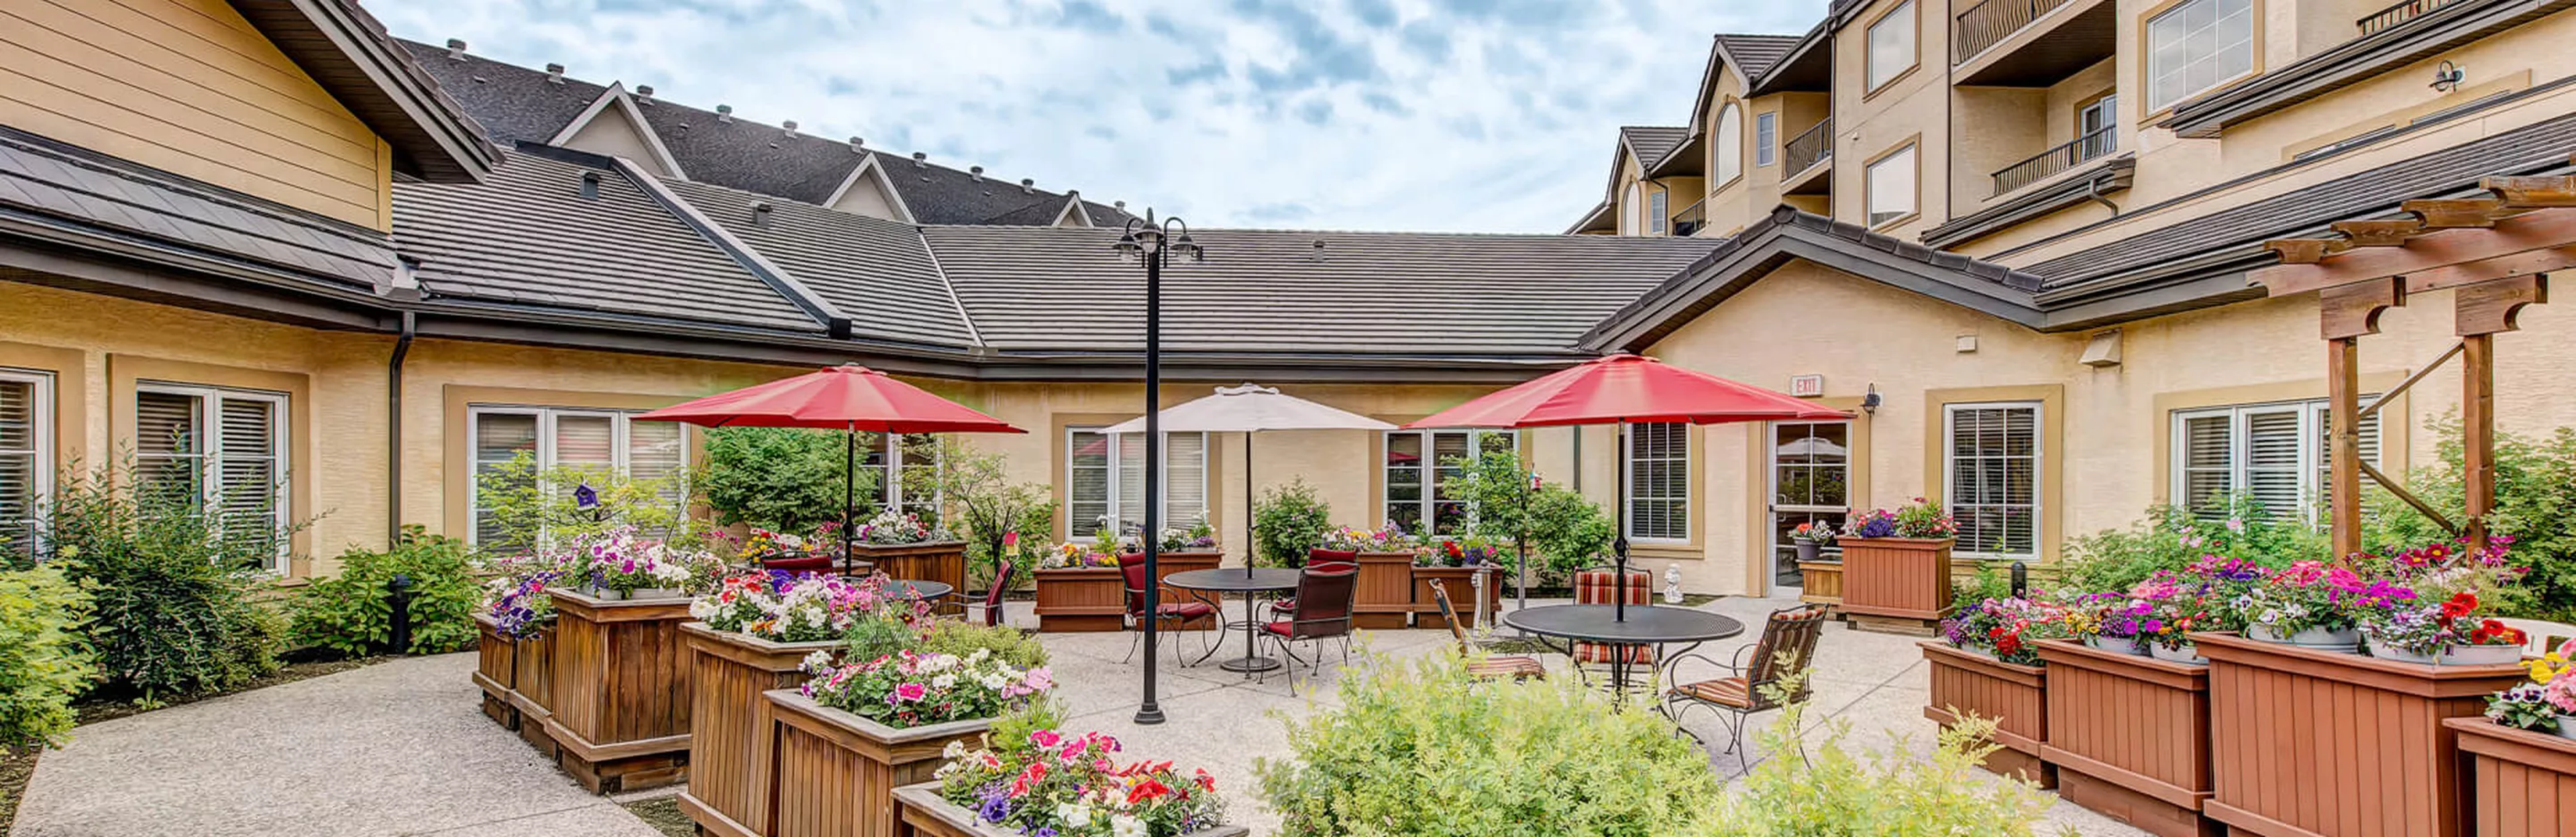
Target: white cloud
[(1477, 115)]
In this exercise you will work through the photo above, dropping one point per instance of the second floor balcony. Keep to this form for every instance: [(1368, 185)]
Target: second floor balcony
[(2084, 149), (1690, 220), (2393, 16), (2031, 43), (1804, 157)]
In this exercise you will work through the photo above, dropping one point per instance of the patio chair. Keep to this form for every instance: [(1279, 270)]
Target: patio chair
[(1491, 666), (1787, 648), (1316, 559), (1323, 613), (1168, 615), (992, 604), (1599, 586)]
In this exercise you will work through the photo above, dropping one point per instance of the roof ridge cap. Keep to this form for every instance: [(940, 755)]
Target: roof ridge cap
[(829, 316)]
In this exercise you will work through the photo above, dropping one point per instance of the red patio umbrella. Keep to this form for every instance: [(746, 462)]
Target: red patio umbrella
[(849, 398), (1623, 388)]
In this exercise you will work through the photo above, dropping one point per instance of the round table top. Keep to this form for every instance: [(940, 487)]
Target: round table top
[(1234, 579), (918, 587), (1645, 625)]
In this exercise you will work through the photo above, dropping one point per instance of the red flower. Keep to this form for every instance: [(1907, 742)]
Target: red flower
[(1148, 789), (2462, 604), (2493, 632)]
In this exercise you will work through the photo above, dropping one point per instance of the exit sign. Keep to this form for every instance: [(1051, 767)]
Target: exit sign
[(1807, 386)]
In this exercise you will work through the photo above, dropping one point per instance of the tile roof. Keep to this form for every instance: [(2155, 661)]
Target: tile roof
[(92, 194), (1346, 293), (1650, 143), (517, 104), (527, 236), (877, 271), (1754, 54)]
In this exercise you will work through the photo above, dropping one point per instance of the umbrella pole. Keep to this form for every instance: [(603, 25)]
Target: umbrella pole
[(849, 487), (1251, 525), (1619, 600)]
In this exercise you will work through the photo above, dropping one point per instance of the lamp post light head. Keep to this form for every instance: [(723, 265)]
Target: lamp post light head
[(1129, 249), (1188, 248)]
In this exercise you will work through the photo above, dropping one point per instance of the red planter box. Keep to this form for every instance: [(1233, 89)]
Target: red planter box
[(2523, 783), (2307, 742), (2015, 696), (1896, 585), (2129, 736)]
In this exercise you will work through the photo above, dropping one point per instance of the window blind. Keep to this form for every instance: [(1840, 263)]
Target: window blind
[(23, 461), (1994, 455), (1658, 481)]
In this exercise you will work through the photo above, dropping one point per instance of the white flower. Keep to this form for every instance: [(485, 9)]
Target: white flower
[(953, 751), (700, 609), (818, 661), (944, 682), (995, 682), (1122, 825), (1074, 815)]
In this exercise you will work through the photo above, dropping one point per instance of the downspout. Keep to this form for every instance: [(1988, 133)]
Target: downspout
[(2093, 192), (394, 430)]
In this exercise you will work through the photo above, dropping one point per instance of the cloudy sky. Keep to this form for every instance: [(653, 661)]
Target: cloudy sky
[(1471, 115)]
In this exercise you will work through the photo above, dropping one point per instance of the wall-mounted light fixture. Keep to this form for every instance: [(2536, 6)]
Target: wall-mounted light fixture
[(2447, 77), (1869, 401)]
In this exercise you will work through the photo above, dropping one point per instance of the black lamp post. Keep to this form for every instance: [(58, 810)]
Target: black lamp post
[(1152, 243)]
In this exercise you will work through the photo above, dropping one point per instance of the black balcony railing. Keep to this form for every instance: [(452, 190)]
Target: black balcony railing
[(1986, 24), (2389, 18), (2087, 147), (1808, 148), (1690, 219)]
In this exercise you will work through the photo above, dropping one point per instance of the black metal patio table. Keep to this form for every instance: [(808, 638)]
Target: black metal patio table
[(1644, 625), (1244, 581), (923, 589)]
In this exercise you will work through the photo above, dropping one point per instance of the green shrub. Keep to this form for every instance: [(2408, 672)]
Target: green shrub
[(2535, 505), (1565, 531), (172, 592), (2171, 538), (951, 636), (1292, 521), (1422, 749), (523, 503), (1824, 790), (878, 635), (352, 612), (976, 492), (778, 478), (43, 662)]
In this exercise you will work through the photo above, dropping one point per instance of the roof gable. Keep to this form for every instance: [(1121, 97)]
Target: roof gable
[(868, 191), (613, 127), (349, 53)]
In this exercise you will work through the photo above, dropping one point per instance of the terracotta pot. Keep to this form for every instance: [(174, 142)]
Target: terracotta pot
[(2328, 639), (2129, 736), (1902, 585), (621, 691), (2481, 655), (2520, 781), (729, 725), (927, 815), (835, 772), (2329, 743), (2015, 696)]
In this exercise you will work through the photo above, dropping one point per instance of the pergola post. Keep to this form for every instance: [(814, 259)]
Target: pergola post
[(2481, 311), (2346, 312)]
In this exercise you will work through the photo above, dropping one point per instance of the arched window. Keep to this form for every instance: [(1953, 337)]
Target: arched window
[(1730, 145), (1632, 211)]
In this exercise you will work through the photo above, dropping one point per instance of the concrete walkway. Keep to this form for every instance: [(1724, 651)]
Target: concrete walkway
[(399, 748)]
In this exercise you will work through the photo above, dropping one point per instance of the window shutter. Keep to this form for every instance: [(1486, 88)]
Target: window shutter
[(585, 441), (247, 471), (657, 450), (2272, 462), (920, 477), (169, 447), (1658, 462), (18, 466), (1185, 483), (1088, 489), (1994, 479)]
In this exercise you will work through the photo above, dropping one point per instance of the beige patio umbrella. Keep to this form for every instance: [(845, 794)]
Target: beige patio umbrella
[(1249, 409)]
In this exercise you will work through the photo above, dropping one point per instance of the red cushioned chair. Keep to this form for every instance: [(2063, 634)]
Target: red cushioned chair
[(814, 564), (992, 604), (1787, 648), (1316, 559), (1323, 612), (1168, 615)]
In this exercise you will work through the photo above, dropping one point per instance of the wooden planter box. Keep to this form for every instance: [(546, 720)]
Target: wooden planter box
[(940, 561), (729, 736), (532, 692), (2306, 742), (1820, 582), (2129, 736), (924, 814), (1461, 584), (1896, 585), (2015, 696), (1082, 599), (496, 667), (1382, 594), (835, 772), (621, 691), (2523, 783)]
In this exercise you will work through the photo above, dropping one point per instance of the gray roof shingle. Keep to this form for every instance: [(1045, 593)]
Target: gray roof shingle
[(515, 104), (527, 236), (1355, 293), (877, 271), (1650, 143), (1755, 54)]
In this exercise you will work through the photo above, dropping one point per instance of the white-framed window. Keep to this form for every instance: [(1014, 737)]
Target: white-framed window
[(556, 437), (1730, 145), (2196, 46), (2275, 453), (224, 447), (1766, 138), (1890, 186), (1632, 212), (1658, 474), (1417, 462), (1658, 212), (907, 470), (1991, 464), (1891, 45), (1105, 481), (26, 455)]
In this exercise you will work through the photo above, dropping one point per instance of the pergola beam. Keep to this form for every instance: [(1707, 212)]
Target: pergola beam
[(2552, 232)]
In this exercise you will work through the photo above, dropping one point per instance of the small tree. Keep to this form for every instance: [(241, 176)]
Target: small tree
[(2535, 479), (1292, 521), (976, 493), (1562, 530), (778, 478), (527, 505)]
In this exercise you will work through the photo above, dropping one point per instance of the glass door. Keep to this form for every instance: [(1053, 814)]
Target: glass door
[(1810, 483)]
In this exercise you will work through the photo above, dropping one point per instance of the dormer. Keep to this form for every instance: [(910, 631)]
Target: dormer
[(613, 127)]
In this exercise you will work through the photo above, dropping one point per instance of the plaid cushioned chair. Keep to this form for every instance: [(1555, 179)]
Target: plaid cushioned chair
[(1169, 615), (1491, 666), (1600, 587), (1323, 612), (1787, 647)]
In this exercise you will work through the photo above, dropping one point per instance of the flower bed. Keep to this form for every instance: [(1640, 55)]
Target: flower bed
[(1896, 568), (621, 691), (1048, 782), (930, 816), (844, 741), (759, 631), (2014, 695), (2129, 736)]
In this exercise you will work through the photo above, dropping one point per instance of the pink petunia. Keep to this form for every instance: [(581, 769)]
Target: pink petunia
[(911, 691)]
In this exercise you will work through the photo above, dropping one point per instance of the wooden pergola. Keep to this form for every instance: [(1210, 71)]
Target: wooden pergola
[(2494, 252)]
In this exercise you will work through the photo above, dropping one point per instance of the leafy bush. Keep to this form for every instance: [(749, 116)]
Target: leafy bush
[(963, 639), (782, 479), (2535, 505), (1292, 521), (2171, 538), (879, 635), (528, 505), (1422, 749), (352, 612), (1565, 531), (976, 491), (43, 662), (172, 591), (1826, 791)]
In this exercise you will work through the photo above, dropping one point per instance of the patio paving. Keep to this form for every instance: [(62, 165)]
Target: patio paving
[(399, 748)]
